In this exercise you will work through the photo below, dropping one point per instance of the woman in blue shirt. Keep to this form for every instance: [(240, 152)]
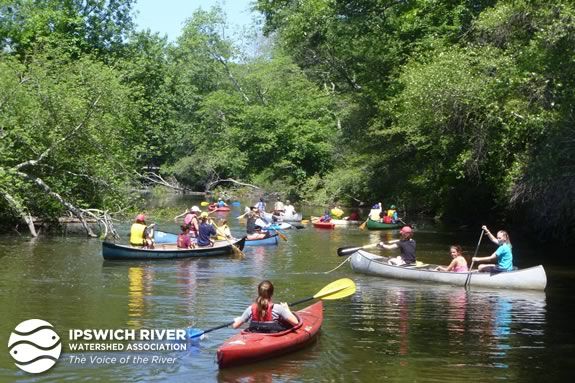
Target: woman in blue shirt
[(503, 255)]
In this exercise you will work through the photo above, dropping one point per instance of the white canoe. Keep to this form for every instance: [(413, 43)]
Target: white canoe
[(339, 222), (532, 278), (345, 222), (284, 218)]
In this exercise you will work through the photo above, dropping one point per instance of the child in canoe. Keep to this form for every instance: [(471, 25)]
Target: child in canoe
[(458, 264), (264, 315)]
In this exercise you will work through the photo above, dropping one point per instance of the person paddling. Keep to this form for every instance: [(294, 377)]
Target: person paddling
[(206, 231), (253, 225), (264, 315), (325, 217), (503, 255), (142, 234), (406, 246)]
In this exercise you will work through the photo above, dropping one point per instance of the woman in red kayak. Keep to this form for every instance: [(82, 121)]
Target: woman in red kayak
[(264, 315)]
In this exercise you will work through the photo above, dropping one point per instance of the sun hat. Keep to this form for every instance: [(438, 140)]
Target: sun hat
[(140, 218), (204, 215), (392, 207), (195, 209)]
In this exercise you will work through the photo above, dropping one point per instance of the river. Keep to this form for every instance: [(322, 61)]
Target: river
[(387, 331)]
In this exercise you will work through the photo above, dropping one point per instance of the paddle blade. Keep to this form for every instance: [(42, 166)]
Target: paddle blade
[(347, 250), (204, 203), (362, 226), (337, 289), (237, 252), (194, 334), (282, 236)]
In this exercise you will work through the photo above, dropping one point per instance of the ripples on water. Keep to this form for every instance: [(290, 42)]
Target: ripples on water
[(389, 330)]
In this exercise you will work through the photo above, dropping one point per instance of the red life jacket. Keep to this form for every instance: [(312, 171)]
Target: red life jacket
[(256, 315)]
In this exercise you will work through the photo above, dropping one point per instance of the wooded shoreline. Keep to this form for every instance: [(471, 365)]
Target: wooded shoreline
[(462, 111)]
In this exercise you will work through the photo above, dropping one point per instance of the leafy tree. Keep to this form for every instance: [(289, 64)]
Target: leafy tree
[(97, 26), (62, 146)]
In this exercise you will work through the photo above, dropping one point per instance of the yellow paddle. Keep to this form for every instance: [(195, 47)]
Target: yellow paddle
[(335, 290), (236, 250), (362, 226)]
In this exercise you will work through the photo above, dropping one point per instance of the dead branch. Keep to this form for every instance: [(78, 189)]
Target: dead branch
[(235, 82), (157, 179), (19, 210), (104, 221), (212, 184), (79, 213)]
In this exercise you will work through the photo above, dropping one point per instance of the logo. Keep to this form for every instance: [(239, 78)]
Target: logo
[(35, 346)]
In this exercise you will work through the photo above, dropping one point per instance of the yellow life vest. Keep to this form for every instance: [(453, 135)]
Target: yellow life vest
[(390, 213), (336, 212), (137, 234), (223, 232)]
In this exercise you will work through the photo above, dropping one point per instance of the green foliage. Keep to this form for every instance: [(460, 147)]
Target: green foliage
[(69, 119), (460, 109), (73, 26)]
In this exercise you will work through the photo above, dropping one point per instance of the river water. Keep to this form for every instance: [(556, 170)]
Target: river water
[(389, 330)]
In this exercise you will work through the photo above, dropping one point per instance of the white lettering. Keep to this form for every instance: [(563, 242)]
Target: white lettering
[(144, 334)]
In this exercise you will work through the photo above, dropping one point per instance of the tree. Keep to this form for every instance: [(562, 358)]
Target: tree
[(62, 147)]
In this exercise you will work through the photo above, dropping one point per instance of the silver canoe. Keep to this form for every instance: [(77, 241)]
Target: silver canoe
[(532, 278), (285, 218)]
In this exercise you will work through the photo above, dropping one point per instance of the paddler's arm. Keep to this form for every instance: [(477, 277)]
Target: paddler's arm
[(243, 318), (288, 315), (390, 245)]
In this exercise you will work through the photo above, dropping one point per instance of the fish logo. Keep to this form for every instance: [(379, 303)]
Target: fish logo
[(35, 346)]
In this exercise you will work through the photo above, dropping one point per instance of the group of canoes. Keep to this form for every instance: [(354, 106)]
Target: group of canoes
[(263, 339)]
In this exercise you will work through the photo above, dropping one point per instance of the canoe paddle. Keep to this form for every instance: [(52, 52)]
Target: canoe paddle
[(348, 250), (279, 231), (236, 250), (362, 226), (466, 285), (335, 290)]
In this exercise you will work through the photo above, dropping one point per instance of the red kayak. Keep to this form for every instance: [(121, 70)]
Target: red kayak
[(248, 347), (216, 208), (323, 225)]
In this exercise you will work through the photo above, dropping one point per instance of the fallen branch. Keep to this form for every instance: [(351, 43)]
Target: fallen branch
[(79, 213), (157, 179), (212, 184), (19, 210)]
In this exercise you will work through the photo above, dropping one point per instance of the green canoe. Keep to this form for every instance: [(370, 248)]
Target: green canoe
[(376, 225)]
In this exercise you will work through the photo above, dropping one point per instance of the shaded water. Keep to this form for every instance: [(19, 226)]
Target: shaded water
[(392, 330)]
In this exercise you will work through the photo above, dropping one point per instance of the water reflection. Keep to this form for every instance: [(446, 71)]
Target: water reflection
[(370, 337), (140, 285), (187, 282), (286, 368), (404, 320)]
